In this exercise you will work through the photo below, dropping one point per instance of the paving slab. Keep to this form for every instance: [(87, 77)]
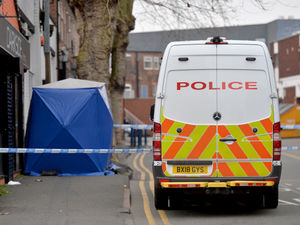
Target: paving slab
[(65, 201)]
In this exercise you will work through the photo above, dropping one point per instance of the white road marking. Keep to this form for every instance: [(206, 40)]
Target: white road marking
[(285, 189), (287, 203), (297, 200)]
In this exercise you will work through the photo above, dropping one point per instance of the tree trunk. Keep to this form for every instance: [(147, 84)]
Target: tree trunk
[(96, 26), (125, 23), (103, 26)]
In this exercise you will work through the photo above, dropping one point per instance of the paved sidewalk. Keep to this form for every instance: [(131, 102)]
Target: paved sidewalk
[(65, 201)]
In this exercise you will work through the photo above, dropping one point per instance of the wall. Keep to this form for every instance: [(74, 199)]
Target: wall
[(286, 62), (68, 39), (146, 77), (8, 9), (32, 77), (289, 56)]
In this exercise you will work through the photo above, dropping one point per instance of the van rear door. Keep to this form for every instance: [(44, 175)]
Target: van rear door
[(189, 141), (244, 103)]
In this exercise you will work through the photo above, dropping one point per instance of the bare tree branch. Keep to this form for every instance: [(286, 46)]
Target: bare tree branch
[(184, 13)]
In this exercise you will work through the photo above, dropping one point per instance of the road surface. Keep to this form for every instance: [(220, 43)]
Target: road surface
[(220, 213)]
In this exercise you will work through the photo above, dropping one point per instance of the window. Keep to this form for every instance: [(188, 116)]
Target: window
[(144, 91), (156, 63), (275, 48), (147, 63), (287, 51)]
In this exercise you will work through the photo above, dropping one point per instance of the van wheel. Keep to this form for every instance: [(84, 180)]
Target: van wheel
[(160, 198), (271, 198)]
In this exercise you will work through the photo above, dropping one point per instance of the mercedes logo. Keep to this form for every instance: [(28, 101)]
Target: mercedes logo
[(217, 116)]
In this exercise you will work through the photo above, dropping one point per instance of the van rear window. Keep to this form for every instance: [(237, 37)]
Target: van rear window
[(193, 96)]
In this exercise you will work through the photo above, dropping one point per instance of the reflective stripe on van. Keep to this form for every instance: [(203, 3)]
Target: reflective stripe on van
[(249, 156)]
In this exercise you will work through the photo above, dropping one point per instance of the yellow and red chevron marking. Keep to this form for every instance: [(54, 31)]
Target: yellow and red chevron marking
[(253, 146), (250, 156)]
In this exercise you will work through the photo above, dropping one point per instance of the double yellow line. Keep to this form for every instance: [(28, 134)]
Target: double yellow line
[(142, 169), (291, 155)]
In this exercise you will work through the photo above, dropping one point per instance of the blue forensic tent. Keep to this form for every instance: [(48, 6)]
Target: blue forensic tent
[(70, 113)]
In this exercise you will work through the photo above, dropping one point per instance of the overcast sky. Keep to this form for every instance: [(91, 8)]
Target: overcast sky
[(248, 13)]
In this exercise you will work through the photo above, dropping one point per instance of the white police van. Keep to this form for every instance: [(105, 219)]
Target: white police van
[(216, 122)]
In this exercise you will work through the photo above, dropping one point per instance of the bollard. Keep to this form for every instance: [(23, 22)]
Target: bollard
[(140, 134), (145, 134)]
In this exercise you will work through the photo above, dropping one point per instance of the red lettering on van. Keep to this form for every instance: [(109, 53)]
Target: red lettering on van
[(223, 85), (230, 85), (182, 84), (202, 85), (235, 85), (211, 86), (251, 86)]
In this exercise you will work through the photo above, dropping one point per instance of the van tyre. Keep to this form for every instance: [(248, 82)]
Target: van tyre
[(271, 198), (160, 198)]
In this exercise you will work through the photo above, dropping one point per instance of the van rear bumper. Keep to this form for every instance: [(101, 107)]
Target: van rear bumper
[(159, 176)]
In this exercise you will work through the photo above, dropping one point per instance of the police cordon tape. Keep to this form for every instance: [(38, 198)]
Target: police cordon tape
[(290, 127), (72, 151), (150, 126), (85, 151), (135, 126), (286, 148)]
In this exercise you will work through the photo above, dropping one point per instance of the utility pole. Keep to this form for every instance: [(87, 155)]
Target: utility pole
[(47, 42)]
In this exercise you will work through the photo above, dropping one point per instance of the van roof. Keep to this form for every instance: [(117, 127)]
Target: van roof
[(202, 42)]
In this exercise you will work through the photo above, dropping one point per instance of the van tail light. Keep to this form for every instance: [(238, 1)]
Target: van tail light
[(276, 141), (157, 142)]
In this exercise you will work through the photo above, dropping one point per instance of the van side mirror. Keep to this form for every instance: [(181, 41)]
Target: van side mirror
[(152, 112)]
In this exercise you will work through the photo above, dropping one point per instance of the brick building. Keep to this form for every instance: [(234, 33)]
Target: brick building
[(8, 8), (142, 74), (286, 61), (68, 38)]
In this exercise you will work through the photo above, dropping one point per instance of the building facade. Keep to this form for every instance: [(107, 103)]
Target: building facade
[(23, 65), (15, 61), (64, 18), (286, 61), (142, 74)]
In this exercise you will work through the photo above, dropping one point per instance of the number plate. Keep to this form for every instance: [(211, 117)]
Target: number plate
[(190, 169)]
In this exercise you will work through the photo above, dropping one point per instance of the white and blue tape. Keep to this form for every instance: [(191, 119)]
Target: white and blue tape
[(72, 151), (290, 127), (135, 126), (286, 148), (150, 126)]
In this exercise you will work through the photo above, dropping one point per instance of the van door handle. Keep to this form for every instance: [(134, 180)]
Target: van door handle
[(228, 139)]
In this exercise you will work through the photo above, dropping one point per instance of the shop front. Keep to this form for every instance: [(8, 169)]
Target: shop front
[(14, 61)]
